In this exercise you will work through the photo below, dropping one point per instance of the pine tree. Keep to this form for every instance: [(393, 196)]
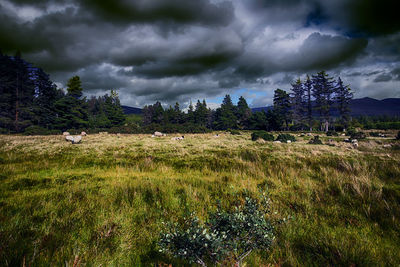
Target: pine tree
[(298, 102), (201, 113), (308, 102), (282, 106), (74, 87), (190, 113), (178, 116), (343, 97), (323, 91), (113, 109), (243, 113), (225, 117)]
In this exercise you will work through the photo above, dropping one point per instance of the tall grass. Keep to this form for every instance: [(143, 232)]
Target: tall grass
[(103, 201)]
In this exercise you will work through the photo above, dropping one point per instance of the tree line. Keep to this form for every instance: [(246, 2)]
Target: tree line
[(310, 104), (31, 102)]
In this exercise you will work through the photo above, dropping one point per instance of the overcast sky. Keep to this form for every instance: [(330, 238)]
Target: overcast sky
[(177, 50)]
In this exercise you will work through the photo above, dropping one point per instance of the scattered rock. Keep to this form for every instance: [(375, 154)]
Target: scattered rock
[(277, 142), (288, 141), (387, 145), (260, 141), (66, 133)]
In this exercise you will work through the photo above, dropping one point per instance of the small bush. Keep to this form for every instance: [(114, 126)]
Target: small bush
[(263, 135), (234, 132), (315, 141), (350, 131), (228, 236), (358, 135), (331, 133), (285, 137)]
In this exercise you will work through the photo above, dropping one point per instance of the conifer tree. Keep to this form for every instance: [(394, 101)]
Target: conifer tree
[(298, 102), (74, 87), (225, 115), (343, 97), (282, 106), (308, 102), (243, 113), (323, 91)]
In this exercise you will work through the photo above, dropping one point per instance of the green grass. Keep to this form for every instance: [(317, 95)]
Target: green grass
[(103, 201)]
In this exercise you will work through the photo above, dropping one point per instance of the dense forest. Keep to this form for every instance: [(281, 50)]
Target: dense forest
[(31, 103)]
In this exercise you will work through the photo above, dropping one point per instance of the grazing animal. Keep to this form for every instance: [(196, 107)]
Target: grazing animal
[(178, 138), (83, 133), (217, 135), (288, 141), (66, 133), (158, 134), (74, 140)]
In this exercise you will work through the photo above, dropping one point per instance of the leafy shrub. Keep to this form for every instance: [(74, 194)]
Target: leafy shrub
[(228, 236), (339, 128), (285, 137), (37, 130), (315, 141), (263, 135), (358, 135), (234, 132), (331, 133)]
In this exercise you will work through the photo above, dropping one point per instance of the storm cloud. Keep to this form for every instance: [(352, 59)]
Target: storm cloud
[(180, 50)]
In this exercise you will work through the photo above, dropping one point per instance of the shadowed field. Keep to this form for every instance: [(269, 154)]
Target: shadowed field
[(103, 201)]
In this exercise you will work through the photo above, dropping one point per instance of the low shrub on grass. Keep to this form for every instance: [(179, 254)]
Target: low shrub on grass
[(262, 135), (358, 135), (285, 137), (234, 132), (331, 133), (315, 141), (350, 131)]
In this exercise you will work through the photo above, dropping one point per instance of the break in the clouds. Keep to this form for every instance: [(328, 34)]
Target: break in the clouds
[(180, 50)]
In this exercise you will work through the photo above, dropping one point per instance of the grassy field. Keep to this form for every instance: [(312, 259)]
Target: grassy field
[(101, 202)]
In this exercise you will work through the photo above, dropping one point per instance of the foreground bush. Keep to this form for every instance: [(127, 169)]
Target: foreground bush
[(263, 135), (228, 237), (285, 137)]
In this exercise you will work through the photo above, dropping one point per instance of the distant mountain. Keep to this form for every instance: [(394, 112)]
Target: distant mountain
[(131, 110), (365, 106)]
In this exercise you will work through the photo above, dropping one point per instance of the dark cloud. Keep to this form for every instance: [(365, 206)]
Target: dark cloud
[(171, 50)]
